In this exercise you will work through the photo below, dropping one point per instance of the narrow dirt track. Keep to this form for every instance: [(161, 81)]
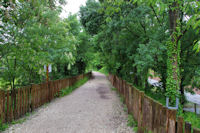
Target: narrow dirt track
[(92, 108)]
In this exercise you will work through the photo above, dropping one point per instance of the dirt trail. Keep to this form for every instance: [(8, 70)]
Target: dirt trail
[(92, 108)]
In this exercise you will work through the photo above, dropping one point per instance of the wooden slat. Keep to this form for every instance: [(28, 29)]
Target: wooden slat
[(11, 106), (187, 127), (25, 100), (21, 102), (8, 107), (29, 99), (1, 105), (36, 97), (32, 98), (130, 100), (18, 103), (180, 125), (4, 108), (196, 130), (15, 104), (44, 94)]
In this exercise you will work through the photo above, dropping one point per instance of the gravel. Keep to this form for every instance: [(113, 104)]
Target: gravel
[(92, 108)]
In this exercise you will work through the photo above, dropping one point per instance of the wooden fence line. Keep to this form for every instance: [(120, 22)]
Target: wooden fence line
[(150, 115), (16, 103)]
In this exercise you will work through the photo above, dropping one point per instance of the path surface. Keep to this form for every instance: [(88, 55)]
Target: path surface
[(92, 108)]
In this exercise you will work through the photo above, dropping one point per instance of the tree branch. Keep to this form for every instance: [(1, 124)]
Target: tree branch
[(156, 15), (181, 35)]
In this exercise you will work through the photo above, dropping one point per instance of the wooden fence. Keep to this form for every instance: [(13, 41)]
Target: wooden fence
[(150, 115), (18, 102)]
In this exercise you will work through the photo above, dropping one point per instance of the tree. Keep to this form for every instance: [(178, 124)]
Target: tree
[(32, 35), (138, 36)]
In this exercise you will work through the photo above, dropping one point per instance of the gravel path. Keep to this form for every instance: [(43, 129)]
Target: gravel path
[(92, 108)]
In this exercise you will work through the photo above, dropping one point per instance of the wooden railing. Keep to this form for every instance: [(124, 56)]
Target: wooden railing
[(150, 115), (18, 102)]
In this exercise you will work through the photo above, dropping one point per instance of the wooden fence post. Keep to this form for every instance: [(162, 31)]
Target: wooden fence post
[(196, 130), (180, 125), (171, 121), (18, 103), (187, 127), (8, 109), (11, 105), (29, 98), (4, 109), (140, 103), (1, 105), (130, 99)]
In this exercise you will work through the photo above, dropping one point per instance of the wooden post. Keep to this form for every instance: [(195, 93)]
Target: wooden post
[(8, 110), (48, 88), (180, 125), (1, 105), (187, 127), (18, 103), (196, 130), (4, 113), (195, 108)]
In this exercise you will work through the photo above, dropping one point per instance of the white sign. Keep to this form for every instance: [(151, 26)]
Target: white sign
[(49, 68)]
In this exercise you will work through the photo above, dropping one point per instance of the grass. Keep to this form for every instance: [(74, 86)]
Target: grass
[(154, 94), (70, 89), (103, 70), (114, 89), (4, 126), (131, 121), (192, 118)]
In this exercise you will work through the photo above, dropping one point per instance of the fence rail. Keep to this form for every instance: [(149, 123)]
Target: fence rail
[(150, 115), (18, 102)]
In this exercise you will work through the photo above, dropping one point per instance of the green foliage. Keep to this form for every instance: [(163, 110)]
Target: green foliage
[(135, 129), (33, 35), (70, 89), (192, 118), (90, 17), (134, 37), (114, 89), (156, 95), (131, 121), (104, 71), (122, 99), (3, 126)]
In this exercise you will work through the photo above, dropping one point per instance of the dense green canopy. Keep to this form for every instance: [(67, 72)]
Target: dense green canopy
[(33, 35), (136, 37)]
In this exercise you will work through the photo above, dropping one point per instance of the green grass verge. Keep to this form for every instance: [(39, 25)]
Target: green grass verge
[(4, 126), (70, 89), (132, 123), (103, 70)]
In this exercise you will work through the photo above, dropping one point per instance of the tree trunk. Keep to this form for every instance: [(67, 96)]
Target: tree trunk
[(173, 50), (174, 16)]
